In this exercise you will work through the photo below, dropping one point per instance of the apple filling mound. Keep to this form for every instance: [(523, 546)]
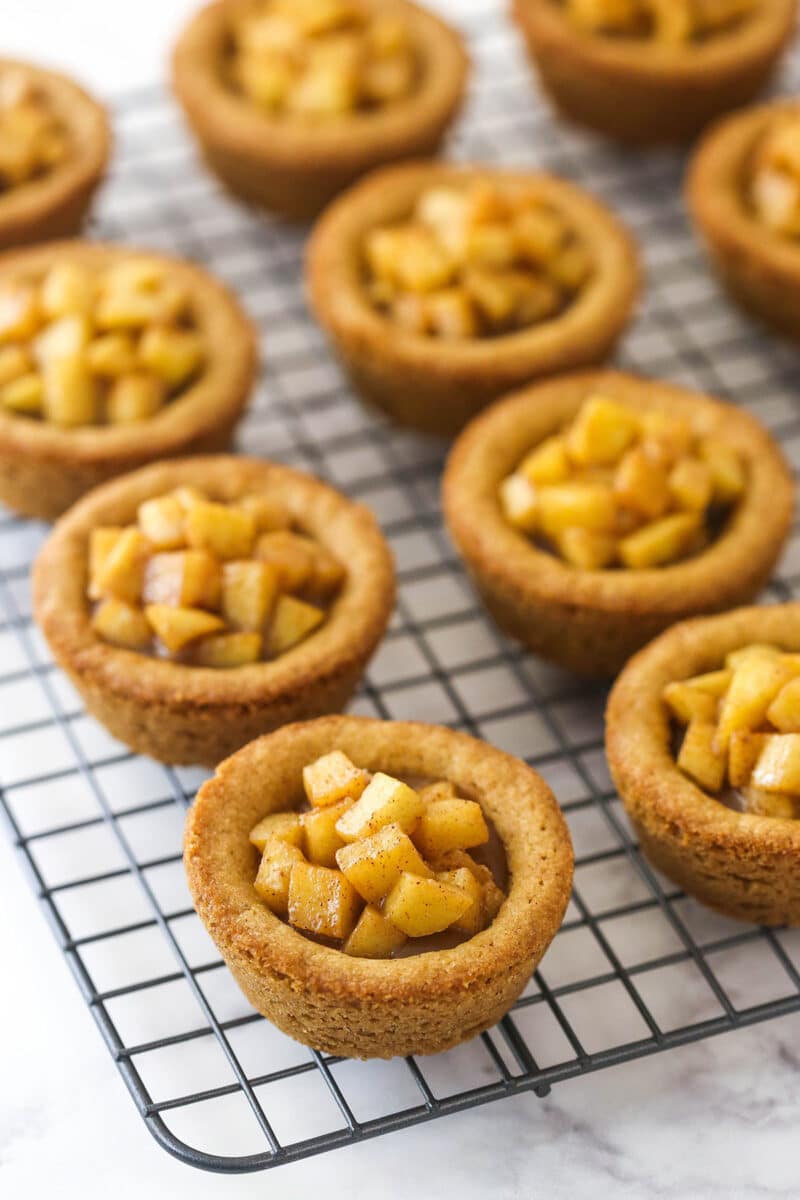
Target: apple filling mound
[(210, 584), (32, 138), (474, 261), (671, 22), (373, 864), (320, 59), (96, 347), (742, 730), (623, 488), (775, 178)]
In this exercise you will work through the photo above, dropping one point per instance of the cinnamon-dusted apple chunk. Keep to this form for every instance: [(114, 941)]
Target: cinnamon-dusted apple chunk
[(186, 653), (406, 941), (292, 100), (443, 286), (595, 510), (111, 358), (649, 72), (703, 740)]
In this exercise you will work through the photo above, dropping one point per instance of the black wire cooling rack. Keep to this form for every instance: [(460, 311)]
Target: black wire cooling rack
[(637, 967)]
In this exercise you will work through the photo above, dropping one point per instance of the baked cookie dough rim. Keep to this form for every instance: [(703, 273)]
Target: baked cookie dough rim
[(214, 400), (638, 733), (339, 299), (518, 801), (646, 61), (494, 444), (715, 194), (233, 124), (23, 208), (354, 624)]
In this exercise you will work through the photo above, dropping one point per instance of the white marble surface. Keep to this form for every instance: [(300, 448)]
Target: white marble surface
[(712, 1120)]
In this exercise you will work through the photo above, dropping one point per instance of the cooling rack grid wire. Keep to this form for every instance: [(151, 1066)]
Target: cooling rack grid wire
[(637, 967)]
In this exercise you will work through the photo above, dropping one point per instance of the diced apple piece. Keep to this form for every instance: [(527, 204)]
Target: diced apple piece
[(121, 571), (101, 542), (292, 555), (24, 394), (453, 824), (519, 501), (770, 804), (727, 470), (321, 839), (548, 463), (784, 712), (326, 577), (285, 826), (665, 438), (384, 801), (19, 313), (177, 627), (571, 268), (333, 778), (443, 789), (473, 920), (188, 496), (744, 750), (123, 624), (689, 704), (601, 432), (641, 484), (374, 864), (15, 361), (374, 936), (586, 550), (182, 579), (716, 683), (322, 901), (699, 757), (134, 398), (66, 289), (778, 766), (70, 393), (224, 531), (538, 235), (292, 621), (174, 355), (227, 650), (755, 650), (757, 680), (588, 505), (660, 542), (66, 338), (420, 907), (690, 484), (112, 354), (268, 512), (248, 593), (274, 873), (162, 522)]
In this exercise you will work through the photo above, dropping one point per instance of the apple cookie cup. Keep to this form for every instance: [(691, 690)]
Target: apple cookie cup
[(360, 1007)]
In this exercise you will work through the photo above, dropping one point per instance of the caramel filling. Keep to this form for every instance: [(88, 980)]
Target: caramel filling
[(320, 59), (32, 138), (96, 347), (622, 488), (774, 189), (741, 730), (474, 261), (670, 22), (377, 868), (210, 584)]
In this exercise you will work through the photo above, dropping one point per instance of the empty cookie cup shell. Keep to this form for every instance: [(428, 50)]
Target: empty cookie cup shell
[(188, 714), (364, 1008), (741, 864), (591, 622)]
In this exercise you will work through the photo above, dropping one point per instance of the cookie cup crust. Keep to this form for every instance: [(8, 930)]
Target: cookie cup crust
[(592, 621), (44, 468), (437, 385), (760, 268), (294, 168), (358, 1007), (644, 93), (55, 205), (187, 714), (741, 864)]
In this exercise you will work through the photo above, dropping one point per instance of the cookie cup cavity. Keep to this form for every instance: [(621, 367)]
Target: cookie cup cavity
[(187, 714), (743, 865), (437, 385), (56, 205), (357, 1007), (644, 93), (45, 468), (759, 267), (592, 621), (293, 167)]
